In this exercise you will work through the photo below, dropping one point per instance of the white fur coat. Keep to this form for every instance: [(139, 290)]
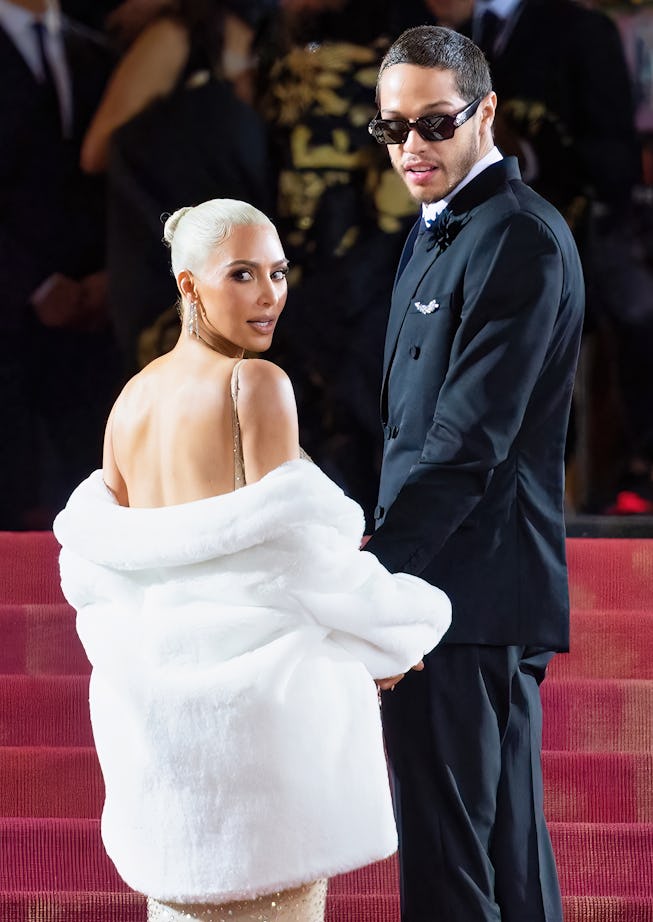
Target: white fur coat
[(233, 643)]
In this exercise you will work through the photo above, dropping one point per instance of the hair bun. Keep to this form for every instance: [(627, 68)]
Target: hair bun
[(170, 227)]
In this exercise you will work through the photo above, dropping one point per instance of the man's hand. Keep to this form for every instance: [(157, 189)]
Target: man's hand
[(94, 304), (389, 684), (57, 302), (73, 305)]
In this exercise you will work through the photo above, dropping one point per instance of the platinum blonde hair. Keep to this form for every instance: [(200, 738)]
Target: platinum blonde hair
[(193, 233)]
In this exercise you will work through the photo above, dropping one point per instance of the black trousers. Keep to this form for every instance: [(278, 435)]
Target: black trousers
[(464, 743)]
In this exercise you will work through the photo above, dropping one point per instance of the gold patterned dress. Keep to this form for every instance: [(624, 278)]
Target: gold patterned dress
[(303, 904)]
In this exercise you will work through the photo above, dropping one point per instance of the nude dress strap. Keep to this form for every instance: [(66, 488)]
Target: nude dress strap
[(239, 461)]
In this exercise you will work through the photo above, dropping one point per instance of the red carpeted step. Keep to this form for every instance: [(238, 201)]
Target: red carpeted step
[(55, 854), (607, 573), (40, 639), (579, 787), (381, 877), (380, 908), (580, 714), (598, 787), (607, 909), (609, 860), (130, 907), (29, 567), (63, 874), (604, 859), (362, 907), (72, 907), (614, 644), (608, 644), (384, 908), (50, 782), (604, 572), (44, 711), (603, 715)]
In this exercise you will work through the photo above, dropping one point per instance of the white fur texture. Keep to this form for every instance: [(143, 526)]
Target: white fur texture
[(233, 643)]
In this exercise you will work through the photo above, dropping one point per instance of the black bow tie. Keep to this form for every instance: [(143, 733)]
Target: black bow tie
[(443, 230)]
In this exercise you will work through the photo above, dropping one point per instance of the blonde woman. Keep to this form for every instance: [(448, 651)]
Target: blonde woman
[(234, 627)]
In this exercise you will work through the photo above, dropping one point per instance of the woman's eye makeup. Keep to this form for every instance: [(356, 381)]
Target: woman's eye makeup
[(246, 274), (242, 275)]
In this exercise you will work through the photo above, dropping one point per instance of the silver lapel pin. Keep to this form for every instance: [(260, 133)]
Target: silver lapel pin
[(427, 308)]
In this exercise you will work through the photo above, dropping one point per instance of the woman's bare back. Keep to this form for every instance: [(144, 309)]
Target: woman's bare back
[(170, 437)]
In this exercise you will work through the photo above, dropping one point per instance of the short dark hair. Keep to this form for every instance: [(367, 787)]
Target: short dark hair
[(437, 47)]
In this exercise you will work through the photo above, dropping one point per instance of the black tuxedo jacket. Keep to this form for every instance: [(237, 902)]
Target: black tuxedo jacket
[(475, 405), (51, 216)]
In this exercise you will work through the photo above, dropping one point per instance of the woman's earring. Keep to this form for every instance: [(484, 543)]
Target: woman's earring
[(191, 321)]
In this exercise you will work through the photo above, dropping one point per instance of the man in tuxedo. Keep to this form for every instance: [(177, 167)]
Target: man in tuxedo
[(480, 356), (55, 356)]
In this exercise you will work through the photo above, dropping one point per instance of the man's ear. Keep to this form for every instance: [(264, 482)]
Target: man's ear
[(488, 109)]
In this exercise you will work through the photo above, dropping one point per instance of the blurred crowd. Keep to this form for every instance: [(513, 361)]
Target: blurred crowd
[(114, 114)]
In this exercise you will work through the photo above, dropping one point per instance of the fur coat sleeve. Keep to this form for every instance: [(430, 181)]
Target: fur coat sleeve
[(233, 643)]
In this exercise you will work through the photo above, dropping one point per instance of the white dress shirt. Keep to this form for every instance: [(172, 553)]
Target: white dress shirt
[(431, 211)]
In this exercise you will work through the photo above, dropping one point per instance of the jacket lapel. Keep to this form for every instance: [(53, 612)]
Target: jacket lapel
[(415, 266), (416, 263)]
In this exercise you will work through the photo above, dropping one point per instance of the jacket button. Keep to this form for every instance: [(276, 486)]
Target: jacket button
[(379, 512), (414, 352), (395, 432)]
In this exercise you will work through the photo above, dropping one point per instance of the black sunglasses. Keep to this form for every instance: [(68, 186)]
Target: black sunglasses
[(429, 127)]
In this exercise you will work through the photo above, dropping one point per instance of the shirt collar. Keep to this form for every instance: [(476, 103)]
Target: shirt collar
[(501, 8), (431, 211), (16, 19)]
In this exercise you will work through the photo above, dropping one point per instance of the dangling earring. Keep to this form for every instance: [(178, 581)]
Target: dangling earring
[(191, 321)]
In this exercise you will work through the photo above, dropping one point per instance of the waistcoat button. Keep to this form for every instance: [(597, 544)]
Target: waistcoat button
[(414, 352)]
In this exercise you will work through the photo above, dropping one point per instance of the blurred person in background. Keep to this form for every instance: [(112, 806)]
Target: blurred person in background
[(58, 369), (175, 124), (588, 164), (342, 214)]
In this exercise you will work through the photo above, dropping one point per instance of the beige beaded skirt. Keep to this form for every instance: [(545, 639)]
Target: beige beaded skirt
[(303, 904)]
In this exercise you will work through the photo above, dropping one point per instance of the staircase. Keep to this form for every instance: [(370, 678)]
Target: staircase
[(598, 758)]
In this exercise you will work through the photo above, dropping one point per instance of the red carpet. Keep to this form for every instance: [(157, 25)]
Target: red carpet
[(598, 759)]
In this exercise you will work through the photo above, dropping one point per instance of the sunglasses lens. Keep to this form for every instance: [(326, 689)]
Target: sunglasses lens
[(388, 131), (436, 128)]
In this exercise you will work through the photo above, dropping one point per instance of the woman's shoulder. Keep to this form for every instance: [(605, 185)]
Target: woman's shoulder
[(166, 27), (257, 372), (262, 383), (264, 392)]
